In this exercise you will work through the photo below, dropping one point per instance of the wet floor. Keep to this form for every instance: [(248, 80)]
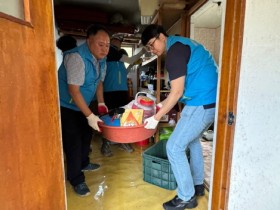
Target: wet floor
[(119, 185)]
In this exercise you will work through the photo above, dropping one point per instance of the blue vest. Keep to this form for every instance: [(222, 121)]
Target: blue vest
[(88, 89), (201, 79), (116, 77)]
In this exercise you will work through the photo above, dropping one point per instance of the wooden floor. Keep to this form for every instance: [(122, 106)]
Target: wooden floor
[(121, 179)]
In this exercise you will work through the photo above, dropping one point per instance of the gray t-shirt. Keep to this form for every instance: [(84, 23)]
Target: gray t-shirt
[(75, 69)]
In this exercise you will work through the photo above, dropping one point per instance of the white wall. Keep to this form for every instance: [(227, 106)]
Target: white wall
[(210, 38), (254, 181), (58, 52), (13, 8)]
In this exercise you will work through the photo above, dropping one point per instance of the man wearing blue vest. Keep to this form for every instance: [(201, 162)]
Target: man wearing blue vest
[(193, 77), (79, 79)]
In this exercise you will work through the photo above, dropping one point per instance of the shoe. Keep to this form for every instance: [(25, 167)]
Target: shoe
[(105, 149), (199, 190), (91, 167), (178, 204), (126, 147), (82, 189)]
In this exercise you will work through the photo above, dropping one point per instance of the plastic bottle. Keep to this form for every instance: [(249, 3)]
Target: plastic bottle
[(145, 103)]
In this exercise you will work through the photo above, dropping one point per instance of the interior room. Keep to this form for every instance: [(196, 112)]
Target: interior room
[(239, 149), (129, 21)]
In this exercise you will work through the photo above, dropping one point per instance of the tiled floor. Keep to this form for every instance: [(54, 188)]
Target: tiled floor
[(207, 147)]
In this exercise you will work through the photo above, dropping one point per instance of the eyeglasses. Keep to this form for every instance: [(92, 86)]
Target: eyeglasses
[(150, 46)]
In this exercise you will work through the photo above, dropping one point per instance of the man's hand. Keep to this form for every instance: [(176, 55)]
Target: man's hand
[(93, 121), (102, 108), (151, 123)]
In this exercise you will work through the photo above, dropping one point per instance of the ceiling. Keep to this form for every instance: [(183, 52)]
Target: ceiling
[(209, 15), (119, 16), (128, 9)]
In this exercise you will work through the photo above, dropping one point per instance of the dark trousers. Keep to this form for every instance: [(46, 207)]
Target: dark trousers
[(76, 138)]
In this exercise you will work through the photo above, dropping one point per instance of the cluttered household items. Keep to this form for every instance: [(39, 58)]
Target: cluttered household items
[(126, 124)]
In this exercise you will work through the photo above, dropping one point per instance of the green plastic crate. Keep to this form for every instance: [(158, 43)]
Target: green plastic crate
[(156, 167)]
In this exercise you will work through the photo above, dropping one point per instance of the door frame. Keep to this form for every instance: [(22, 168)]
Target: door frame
[(228, 95)]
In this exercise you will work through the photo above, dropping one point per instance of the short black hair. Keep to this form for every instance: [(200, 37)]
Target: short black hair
[(93, 29), (150, 32), (66, 42)]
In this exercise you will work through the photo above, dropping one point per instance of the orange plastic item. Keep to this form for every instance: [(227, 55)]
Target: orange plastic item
[(126, 134), (132, 117)]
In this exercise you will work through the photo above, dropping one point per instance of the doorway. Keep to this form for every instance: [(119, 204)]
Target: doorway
[(206, 28), (230, 57)]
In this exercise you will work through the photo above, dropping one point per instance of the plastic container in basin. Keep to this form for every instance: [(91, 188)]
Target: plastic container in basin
[(126, 134)]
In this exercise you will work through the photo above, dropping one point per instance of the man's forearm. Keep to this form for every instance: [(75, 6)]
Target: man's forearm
[(99, 93), (168, 104), (80, 102)]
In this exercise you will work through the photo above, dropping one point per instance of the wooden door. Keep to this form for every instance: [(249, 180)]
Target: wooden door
[(31, 162), (228, 94)]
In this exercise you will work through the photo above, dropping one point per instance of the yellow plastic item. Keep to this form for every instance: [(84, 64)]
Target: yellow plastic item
[(132, 117)]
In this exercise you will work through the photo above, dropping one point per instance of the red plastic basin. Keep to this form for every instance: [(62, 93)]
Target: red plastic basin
[(126, 134)]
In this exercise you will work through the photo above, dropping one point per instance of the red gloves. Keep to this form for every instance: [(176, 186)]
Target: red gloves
[(158, 107), (102, 108)]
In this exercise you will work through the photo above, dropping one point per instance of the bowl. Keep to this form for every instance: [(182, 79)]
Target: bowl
[(126, 134)]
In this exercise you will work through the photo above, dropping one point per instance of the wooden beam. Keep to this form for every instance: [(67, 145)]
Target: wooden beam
[(155, 17), (195, 7), (229, 81), (183, 24)]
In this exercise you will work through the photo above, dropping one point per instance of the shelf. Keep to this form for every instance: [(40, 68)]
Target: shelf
[(143, 89)]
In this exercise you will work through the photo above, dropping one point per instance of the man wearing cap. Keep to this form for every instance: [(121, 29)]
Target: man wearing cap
[(115, 86)]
